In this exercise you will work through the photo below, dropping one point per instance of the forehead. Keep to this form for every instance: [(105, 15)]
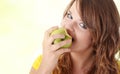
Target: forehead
[(75, 10)]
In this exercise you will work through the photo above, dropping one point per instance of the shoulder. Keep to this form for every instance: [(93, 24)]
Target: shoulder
[(118, 65), (37, 62)]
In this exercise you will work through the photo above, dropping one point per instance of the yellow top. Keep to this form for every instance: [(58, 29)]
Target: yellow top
[(37, 62)]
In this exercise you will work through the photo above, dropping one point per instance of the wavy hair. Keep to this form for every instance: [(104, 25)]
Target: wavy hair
[(103, 21)]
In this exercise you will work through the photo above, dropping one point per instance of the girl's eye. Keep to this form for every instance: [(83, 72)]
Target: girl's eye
[(83, 25), (69, 15)]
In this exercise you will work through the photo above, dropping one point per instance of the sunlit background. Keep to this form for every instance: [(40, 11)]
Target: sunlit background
[(22, 26)]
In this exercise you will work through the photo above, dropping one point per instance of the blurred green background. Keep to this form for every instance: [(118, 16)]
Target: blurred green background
[(22, 25)]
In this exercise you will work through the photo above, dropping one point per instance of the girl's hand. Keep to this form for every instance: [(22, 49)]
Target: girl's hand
[(51, 52)]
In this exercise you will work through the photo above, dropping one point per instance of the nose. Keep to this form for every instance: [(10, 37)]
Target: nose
[(68, 25)]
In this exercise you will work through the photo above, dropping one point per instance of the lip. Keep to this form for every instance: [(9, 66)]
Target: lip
[(72, 39), (70, 33)]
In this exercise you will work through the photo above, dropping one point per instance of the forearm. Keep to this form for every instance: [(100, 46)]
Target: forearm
[(43, 69), (40, 70)]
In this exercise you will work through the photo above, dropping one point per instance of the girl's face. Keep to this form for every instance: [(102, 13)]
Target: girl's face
[(77, 29)]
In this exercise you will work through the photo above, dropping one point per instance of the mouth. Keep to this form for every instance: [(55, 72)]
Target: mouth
[(69, 33), (72, 39)]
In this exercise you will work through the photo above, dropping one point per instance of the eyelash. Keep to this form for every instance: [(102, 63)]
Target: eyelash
[(83, 25), (69, 15), (80, 24)]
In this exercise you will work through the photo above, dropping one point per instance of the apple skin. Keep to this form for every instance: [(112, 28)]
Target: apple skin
[(67, 36)]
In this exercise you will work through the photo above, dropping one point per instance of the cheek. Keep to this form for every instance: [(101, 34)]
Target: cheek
[(85, 40), (64, 22), (88, 42), (82, 43)]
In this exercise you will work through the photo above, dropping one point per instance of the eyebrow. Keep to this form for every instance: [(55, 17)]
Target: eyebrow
[(69, 11)]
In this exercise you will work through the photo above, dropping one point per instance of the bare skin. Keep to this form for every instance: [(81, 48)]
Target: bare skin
[(50, 53), (81, 50)]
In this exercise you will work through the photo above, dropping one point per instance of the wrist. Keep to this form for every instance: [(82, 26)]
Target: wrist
[(44, 70)]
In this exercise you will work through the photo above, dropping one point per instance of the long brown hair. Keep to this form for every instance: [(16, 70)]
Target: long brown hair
[(103, 20)]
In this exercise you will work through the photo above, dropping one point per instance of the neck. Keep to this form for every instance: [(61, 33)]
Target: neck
[(81, 61)]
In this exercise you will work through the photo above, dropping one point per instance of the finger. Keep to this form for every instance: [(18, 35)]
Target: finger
[(61, 51), (60, 44), (47, 33), (56, 36)]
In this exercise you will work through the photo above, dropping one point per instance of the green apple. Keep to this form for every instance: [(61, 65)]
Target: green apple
[(67, 36)]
